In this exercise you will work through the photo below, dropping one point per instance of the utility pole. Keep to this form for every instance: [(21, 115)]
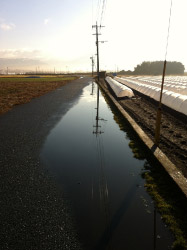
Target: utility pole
[(97, 45), (159, 110), (158, 118), (97, 115), (92, 64)]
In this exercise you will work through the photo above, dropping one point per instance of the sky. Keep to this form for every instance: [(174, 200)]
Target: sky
[(58, 34)]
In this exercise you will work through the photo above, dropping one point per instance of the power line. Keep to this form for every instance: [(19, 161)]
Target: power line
[(103, 11), (168, 29), (98, 10)]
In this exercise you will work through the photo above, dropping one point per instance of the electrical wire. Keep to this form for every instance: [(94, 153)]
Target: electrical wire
[(92, 11), (169, 24), (98, 10), (103, 11)]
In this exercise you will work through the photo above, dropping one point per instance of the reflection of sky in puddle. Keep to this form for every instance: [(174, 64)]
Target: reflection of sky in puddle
[(101, 178)]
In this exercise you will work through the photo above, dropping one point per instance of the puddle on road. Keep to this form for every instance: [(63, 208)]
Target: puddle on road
[(102, 179)]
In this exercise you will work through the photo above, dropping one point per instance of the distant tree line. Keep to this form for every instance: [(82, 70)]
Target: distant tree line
[(156, 68)]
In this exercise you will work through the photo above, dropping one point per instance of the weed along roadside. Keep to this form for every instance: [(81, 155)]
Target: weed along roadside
[(19, 90), (168, 191)]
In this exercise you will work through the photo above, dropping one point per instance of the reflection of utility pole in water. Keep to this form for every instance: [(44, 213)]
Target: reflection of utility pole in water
[(103, 185), (92, 64), (97, 115), (92, 88)]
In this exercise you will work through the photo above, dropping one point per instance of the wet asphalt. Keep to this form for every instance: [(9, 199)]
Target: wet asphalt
[(34, 213)]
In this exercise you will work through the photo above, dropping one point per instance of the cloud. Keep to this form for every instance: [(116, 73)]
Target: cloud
[(46, 21), (24, 58), (20, 53), (7, 26)]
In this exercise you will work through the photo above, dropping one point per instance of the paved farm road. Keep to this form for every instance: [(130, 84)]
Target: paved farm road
[(33, 213)]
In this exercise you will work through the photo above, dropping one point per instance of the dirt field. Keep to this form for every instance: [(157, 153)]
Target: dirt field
[(173, 139), (19, 90)]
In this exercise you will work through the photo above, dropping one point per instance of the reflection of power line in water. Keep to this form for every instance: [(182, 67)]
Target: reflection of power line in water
[(103, 185), (105, 240), (103, 181)]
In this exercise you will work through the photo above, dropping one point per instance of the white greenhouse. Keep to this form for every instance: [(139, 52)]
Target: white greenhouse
[(174, 92), (119, 89)]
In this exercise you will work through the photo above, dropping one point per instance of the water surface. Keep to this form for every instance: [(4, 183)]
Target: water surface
[(92, 162)]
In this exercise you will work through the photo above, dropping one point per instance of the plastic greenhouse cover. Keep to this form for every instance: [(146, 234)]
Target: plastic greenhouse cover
[(174, 94), (119, 89)]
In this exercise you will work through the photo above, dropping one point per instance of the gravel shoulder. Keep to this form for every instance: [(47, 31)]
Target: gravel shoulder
[(173, 138), (34, 213)]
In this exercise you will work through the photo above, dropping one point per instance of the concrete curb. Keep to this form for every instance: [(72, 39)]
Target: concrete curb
[(172, 170)]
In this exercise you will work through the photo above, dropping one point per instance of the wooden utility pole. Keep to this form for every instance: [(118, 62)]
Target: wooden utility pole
[(159, 110), (97, 45), (158, 119)]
